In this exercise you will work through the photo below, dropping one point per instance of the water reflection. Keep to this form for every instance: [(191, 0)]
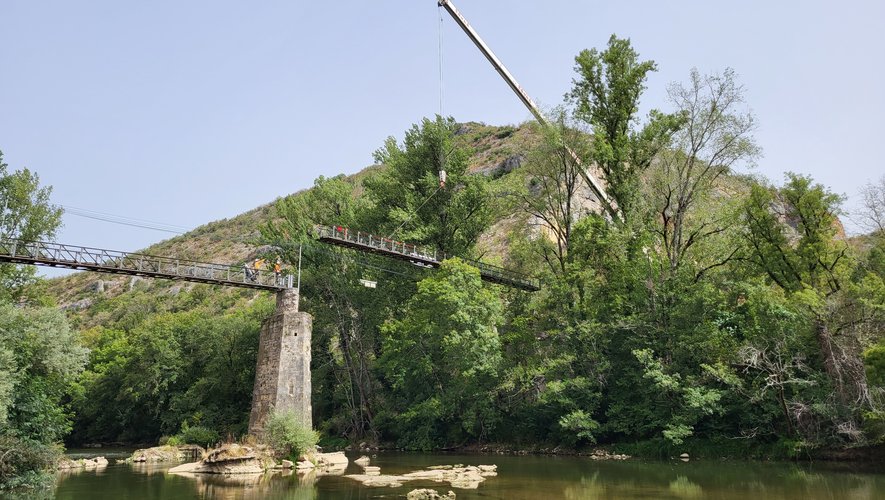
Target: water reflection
[(275, 484), (248, 486), (523, 477)]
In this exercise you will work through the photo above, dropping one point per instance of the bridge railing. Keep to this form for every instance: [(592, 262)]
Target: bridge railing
[(423, 254), (111, 261)]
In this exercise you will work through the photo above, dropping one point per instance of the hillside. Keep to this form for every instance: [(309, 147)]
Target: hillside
[(496, 150)]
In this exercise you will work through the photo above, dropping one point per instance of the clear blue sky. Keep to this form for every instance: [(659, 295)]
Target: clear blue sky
[(188, 112)]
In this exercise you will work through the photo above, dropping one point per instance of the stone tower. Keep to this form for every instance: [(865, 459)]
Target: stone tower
[(282, 373)]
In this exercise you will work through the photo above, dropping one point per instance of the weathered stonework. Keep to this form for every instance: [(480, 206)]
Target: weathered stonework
[(282, 373)]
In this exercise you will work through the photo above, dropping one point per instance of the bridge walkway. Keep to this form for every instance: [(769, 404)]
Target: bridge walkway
[(422, 256), (136, 264)]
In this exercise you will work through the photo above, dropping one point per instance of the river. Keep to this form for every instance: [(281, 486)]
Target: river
[(519, 477)]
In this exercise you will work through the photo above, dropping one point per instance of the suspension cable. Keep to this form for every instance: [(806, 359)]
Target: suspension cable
[(440, 53), (409, 218)]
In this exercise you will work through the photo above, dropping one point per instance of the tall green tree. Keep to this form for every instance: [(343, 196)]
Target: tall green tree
[(442, 359), (39, 359), (606, 94), (408, 200), (347, 315), (714, 139), (26, 214)]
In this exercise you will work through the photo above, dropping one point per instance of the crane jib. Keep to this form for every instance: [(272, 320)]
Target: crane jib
[(604, 200)]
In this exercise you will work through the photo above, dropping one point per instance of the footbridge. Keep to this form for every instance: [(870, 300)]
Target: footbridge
[(418, 255), (137, 264)]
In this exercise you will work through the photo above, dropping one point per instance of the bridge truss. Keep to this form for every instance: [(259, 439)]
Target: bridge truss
[(136, 264), (419, 255)]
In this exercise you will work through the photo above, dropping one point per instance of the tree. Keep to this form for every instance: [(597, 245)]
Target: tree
[(39, 359), (792, 237), (606, 96), (346, 314), (26, 214), (872, 210), (688, 183), (409, 202), (442, 357), (552, 188)]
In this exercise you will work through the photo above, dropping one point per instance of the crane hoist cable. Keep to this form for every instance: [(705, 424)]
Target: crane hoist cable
[(440, 54)]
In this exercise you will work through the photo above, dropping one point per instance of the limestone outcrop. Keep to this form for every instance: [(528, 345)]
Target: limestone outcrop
[(428, 494), (82, 463), (166, 453), (466, 477), (229, 459)]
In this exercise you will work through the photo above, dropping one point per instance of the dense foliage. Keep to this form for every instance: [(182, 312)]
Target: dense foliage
[(39, 354), (707, 308)]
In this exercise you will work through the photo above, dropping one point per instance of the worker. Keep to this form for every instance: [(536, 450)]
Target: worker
[(257, 264), (277, 269)]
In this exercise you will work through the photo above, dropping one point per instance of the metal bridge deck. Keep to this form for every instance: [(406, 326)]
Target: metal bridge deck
[(419, 255), (114, 262)]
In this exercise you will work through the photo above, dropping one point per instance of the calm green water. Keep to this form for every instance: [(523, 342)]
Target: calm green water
[(519, 477)]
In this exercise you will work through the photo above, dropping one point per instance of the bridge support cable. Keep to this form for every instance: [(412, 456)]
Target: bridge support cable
[(136, 264), (418, 255)]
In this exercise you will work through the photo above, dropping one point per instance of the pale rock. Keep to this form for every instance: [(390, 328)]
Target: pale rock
[(428, 494), (334, 458)]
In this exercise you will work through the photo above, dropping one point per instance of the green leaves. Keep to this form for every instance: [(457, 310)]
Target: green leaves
[(39, 358), (25, 213), (407, 197), (442, 357), (691, 399), (606, 96)]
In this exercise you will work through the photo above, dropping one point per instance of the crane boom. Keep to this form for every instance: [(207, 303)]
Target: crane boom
[(604, 200)]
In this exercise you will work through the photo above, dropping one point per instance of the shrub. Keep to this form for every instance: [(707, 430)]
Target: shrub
[(197, 434), (26, 464), (287, 434), (175, 440)]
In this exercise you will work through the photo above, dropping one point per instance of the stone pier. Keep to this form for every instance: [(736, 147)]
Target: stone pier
[(282, 374)]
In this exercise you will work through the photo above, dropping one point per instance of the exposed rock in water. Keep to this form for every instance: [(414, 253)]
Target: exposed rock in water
[(467, 477), (163, 454), (428, 494), (229, 459), (83, 463), (362, 461), (330, 459), (605, 455)]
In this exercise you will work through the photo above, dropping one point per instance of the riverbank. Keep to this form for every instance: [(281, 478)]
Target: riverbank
[(661, 450)]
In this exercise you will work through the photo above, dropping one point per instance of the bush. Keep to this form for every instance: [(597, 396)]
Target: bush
[(197, 434), (288, 436), (175, 440), (26, 464)]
